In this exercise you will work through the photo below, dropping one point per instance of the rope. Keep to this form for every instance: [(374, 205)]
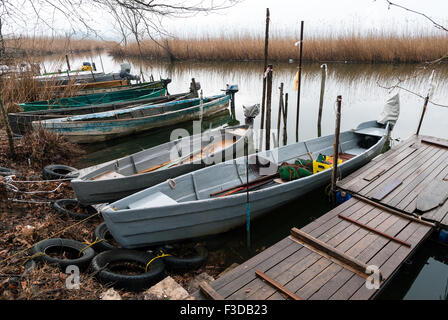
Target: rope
[(91, 244), (10, 186), (162, 255), (52, 236)]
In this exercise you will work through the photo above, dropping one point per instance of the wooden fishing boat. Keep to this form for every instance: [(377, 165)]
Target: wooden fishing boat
[(20, 122), (99, 98), (213, 199), (82, 77), (119, 178), (107, 125), (93, 87), (81, 89)]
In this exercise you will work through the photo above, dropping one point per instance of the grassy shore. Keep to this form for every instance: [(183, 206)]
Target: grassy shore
[(370, 48)]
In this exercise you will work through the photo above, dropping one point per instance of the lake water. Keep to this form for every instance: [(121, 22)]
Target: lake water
[(425, 276)]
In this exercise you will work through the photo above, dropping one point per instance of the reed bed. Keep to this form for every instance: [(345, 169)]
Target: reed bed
[(43, 46), (369, 48)]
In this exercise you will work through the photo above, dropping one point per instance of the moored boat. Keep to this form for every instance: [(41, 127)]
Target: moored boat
[(211, 200), (99, 98), (107, 125), (119, 178), (20, 122)]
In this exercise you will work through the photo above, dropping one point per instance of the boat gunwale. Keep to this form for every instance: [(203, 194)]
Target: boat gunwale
[(80, 179), (50, 123), (109, 209)]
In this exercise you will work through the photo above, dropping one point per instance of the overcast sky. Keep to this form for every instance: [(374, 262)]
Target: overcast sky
[(338, 15), (320, 16)]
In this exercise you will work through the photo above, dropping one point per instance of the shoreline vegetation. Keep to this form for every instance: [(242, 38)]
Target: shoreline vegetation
[(350, 48), (43, 46)]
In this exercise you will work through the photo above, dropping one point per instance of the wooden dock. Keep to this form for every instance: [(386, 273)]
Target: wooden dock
[(398, 177), (334, 256)]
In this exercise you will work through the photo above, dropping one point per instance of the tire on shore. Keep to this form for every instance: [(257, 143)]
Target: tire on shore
[(79, 254), (101, 233), (185, 264), (67, 206), (108, 264), (59, 171), (7, 172)]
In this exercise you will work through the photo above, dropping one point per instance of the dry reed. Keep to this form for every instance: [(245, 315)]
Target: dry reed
[(370, 48), (54, 45)]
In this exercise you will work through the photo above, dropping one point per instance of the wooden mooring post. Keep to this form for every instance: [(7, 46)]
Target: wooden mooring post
[(285, 120), (266, 55), (268, 106), (425, 104), (300, 81), (321, 99), (280, 113), (334, 175)]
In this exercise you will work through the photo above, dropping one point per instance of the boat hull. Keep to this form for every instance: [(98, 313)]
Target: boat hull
[(89, 191), (102, 130), (134, 228), (21, 122)]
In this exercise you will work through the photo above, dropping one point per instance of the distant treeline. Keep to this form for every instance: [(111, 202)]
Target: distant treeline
[(350, 48)]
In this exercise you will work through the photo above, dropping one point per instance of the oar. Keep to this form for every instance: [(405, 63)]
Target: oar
[(154, 167), (272, 176), (250, 187)]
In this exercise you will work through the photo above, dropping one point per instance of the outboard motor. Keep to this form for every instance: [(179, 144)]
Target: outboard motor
[(231, 90), (125, 72)]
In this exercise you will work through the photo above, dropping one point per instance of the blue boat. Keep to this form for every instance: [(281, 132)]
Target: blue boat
[(108, 125)]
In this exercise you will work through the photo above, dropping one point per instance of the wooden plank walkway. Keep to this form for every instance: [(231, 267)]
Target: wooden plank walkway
[(312, 272), (397, 177), (331, 258)]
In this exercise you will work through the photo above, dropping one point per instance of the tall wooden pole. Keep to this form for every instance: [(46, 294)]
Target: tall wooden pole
[(268, 107), (321, 100), (285, 120), (425, 105), (68, 62), (266, 55), (300, 81), (336, 149), (246, 150), (280, 112)]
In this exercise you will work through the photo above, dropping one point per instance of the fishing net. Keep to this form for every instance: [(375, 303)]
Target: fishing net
[(290, 172)]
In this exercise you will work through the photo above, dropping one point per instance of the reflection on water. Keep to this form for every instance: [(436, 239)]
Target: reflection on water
[(363, 100), (423, 276)]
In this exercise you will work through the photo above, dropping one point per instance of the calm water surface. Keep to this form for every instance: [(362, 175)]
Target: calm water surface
[(425, 275)]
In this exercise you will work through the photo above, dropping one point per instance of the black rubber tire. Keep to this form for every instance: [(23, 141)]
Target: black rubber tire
[(59, 171), (181, 265), (64, 206), (101, 233), (129, 282), (7, 172), (82, 262)]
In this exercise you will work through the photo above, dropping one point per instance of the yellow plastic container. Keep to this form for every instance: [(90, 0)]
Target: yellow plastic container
[(321, 166)]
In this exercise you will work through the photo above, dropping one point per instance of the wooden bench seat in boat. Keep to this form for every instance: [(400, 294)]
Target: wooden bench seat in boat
[(156, 199)]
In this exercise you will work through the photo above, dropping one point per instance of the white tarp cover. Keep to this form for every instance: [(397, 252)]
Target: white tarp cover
[(391, 110)]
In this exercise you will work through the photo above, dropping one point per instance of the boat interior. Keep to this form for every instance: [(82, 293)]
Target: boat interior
[(230, 177), (212, 146)]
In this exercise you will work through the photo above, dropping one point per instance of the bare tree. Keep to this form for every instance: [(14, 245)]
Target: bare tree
[(426, 65)]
